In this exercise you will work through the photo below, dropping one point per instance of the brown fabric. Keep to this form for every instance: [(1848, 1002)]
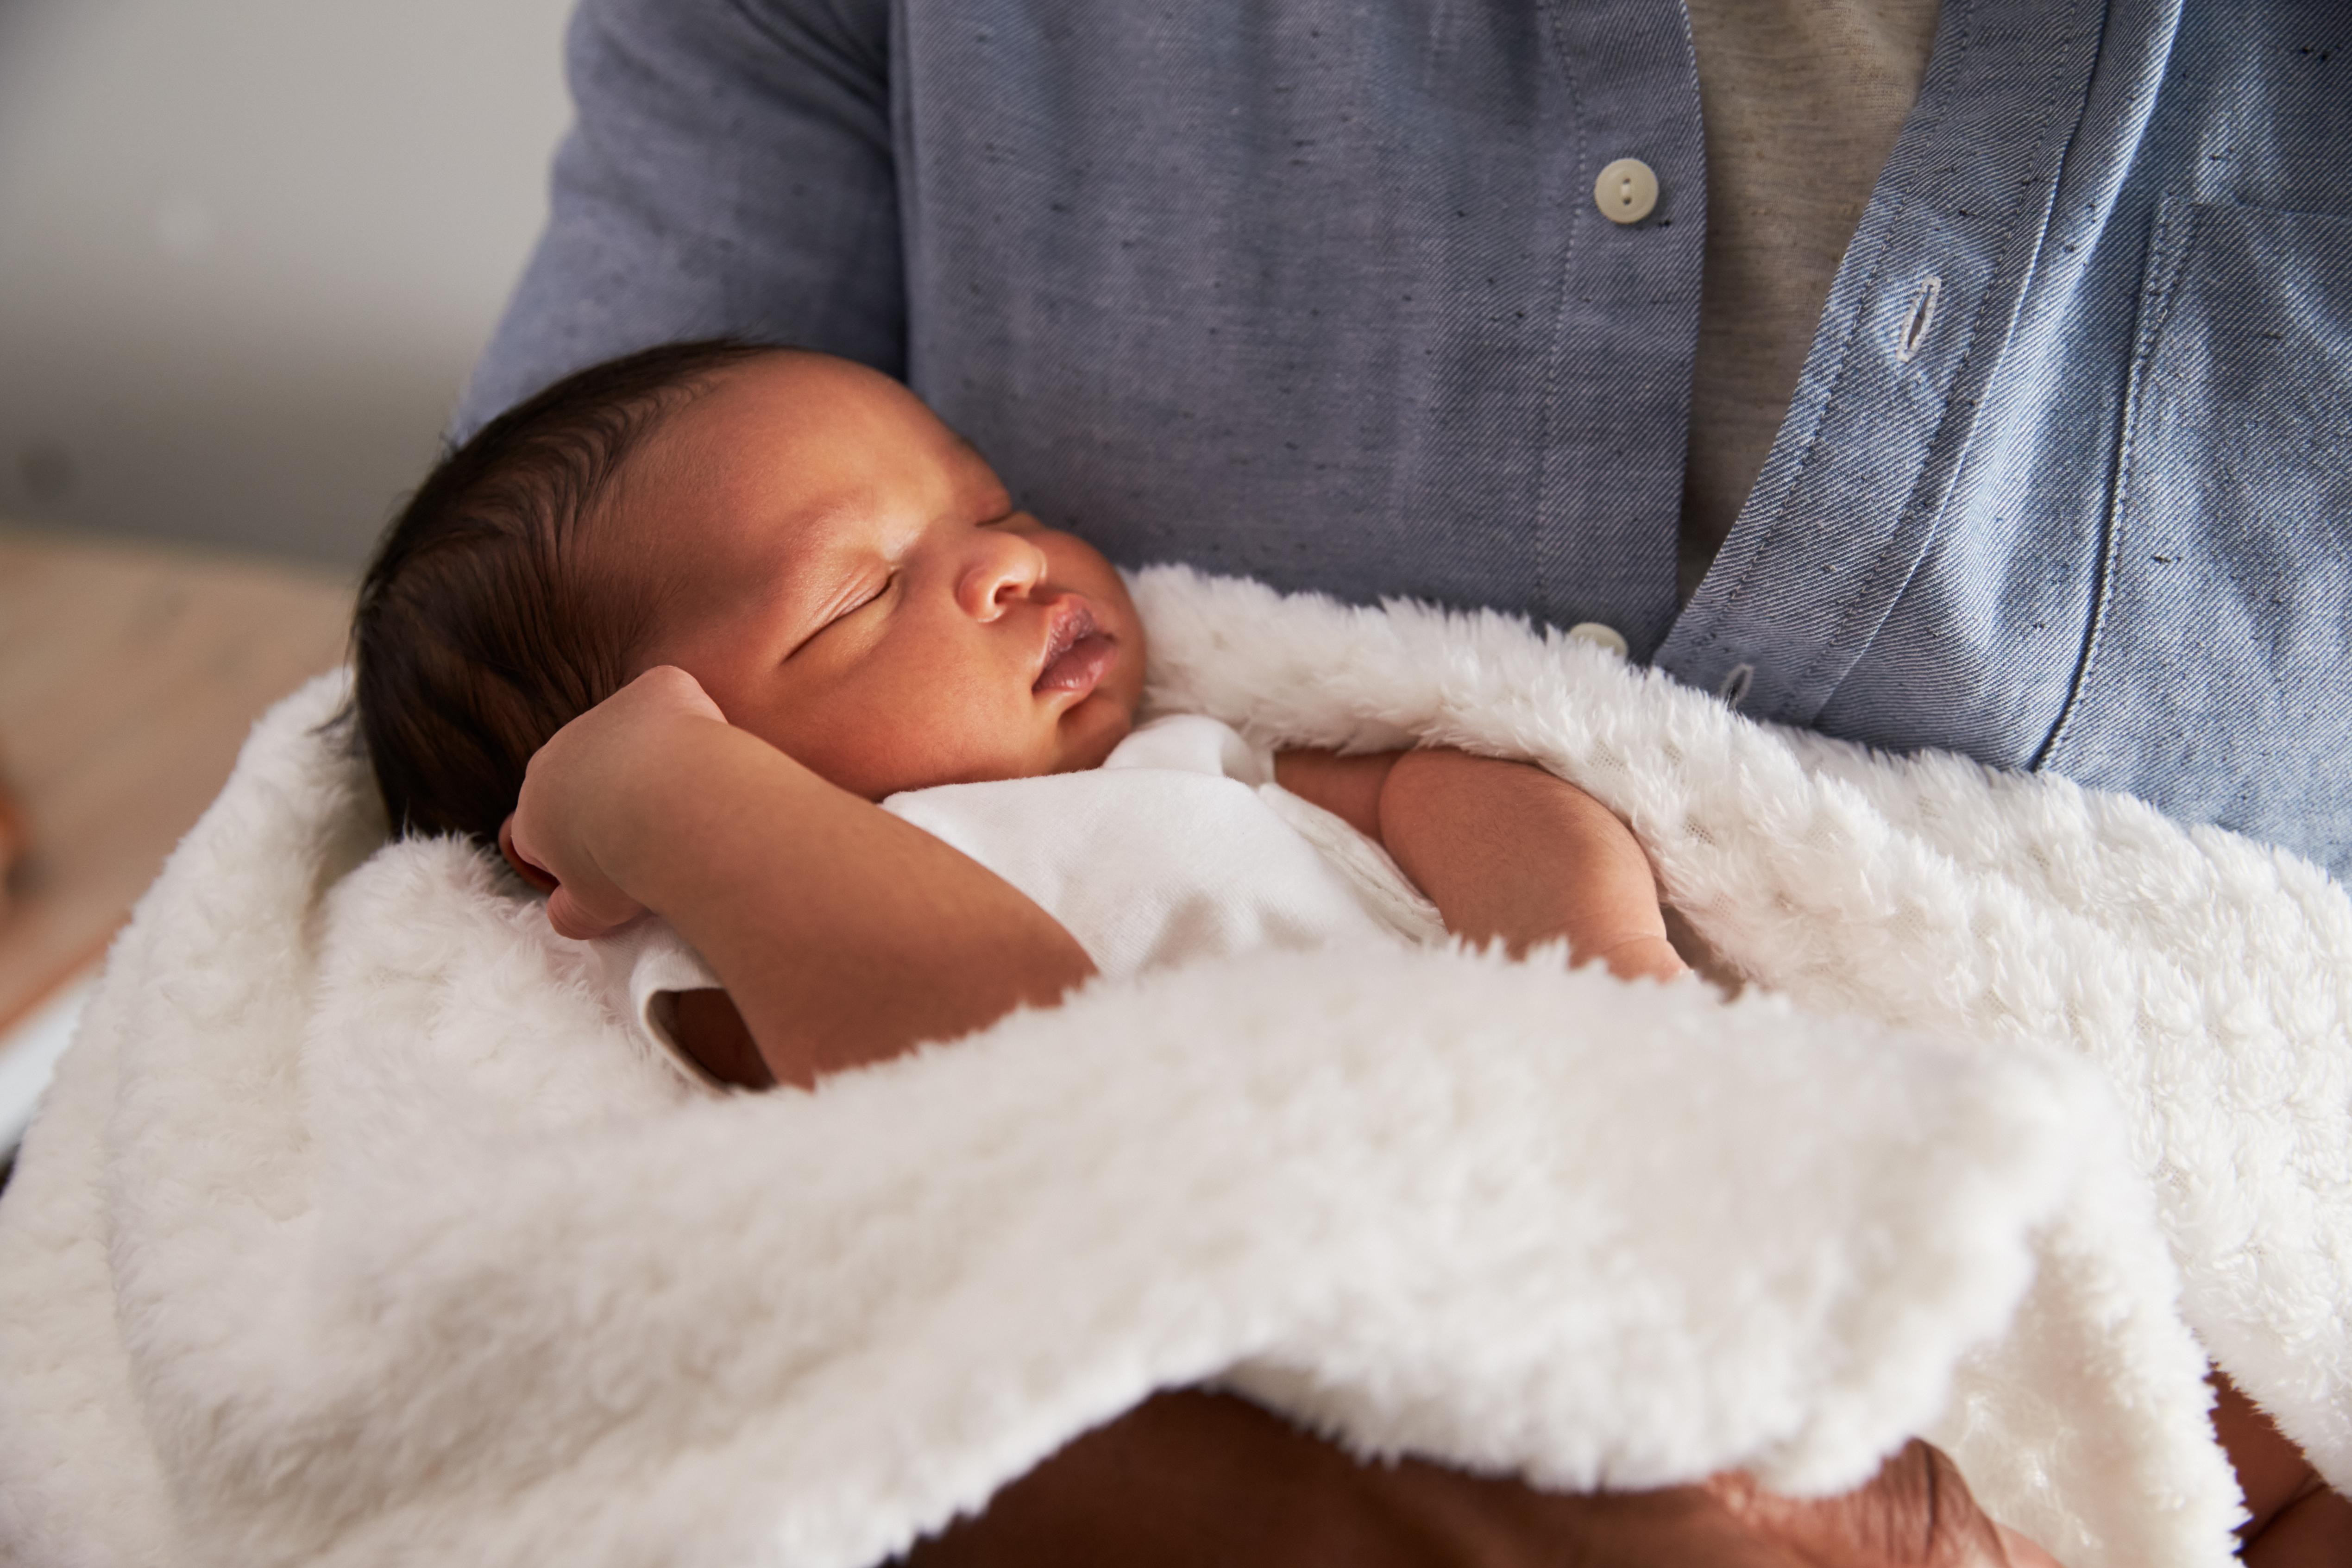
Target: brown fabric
[(1190, 1479), (1802, 100)]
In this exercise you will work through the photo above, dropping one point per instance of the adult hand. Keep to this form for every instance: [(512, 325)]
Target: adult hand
[(1916, 1511), (1191, 1477)]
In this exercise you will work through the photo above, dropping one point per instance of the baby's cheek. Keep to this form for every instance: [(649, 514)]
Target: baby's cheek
[(1091, 732)]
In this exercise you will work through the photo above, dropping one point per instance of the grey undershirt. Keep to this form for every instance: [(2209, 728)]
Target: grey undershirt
[(1803, 100)]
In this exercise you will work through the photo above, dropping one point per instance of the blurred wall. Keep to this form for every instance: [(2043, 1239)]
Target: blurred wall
[(248, 249)]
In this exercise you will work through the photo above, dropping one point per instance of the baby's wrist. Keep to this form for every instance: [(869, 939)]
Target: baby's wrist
[(692, 804), (631, 807)]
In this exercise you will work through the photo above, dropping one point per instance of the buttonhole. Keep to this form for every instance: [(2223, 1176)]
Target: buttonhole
[(1918, 320), (1736, 684)]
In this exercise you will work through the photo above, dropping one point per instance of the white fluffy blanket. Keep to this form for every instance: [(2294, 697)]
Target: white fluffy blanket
[(354, 1231)]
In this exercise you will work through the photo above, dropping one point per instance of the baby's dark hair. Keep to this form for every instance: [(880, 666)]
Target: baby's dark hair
[(488, 621)]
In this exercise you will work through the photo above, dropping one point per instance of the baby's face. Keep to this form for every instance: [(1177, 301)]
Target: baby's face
[(848, 580)]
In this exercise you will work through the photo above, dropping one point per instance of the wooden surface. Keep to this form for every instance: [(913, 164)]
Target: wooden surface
[(129, 676)]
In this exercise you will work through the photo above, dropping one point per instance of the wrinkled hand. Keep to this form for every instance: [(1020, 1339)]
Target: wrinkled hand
[(1916, 1512), (575, 798), (1190, 1477)]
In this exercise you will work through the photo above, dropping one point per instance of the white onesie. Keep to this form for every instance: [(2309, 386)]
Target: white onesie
[(1180, 847)]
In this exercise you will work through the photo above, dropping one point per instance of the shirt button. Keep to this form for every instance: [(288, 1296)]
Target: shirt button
[(1627, 191), (1598, 636)]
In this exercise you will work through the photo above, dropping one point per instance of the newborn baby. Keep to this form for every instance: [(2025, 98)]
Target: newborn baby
[(669, 631), (687, 617)]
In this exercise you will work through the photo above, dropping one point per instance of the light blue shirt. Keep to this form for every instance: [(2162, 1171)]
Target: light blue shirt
[(1318, 291)]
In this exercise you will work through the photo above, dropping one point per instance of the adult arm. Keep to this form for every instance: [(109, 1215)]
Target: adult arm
[(1504, 850), (844, 935), (728, 172)]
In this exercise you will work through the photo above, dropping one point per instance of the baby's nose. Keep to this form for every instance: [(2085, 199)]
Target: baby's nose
[(1003, 567)]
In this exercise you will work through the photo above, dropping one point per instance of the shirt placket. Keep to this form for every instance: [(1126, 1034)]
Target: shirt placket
[(1918, 320)]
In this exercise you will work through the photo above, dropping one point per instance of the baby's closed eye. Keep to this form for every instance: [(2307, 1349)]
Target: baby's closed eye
[(860, 596)]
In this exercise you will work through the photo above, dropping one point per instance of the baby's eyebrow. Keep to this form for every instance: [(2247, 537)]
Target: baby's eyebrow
[(1000, 494), (980, 458)]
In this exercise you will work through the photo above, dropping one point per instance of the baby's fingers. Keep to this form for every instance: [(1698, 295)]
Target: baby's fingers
[(529, 870), (573, 914), (583, 920)]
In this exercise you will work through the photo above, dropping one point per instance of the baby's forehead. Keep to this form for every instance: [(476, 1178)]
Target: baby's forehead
[(794, 456), (791, 395)]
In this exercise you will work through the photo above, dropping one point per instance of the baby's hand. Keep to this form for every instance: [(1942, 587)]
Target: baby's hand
[(842, 935), (576, 794)]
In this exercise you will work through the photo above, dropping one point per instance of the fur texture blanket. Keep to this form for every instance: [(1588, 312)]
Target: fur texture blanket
[(354, 1231)]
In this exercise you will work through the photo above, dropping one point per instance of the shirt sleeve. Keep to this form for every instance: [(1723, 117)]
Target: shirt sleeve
[(646, 964), (729, 173)]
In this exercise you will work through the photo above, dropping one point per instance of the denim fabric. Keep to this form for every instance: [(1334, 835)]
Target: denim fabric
[(1944, 552), (2226, 570), (1317, 290), (1314, 292)]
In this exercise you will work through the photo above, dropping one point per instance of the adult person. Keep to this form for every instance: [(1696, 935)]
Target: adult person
[(1323, 293), (1985, 396)]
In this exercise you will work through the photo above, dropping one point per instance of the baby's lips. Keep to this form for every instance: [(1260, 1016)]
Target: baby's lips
[(1081, 667), (1077, 652), (1071, 621)]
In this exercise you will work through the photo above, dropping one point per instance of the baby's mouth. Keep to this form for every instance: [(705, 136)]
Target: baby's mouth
[(1079, 653)]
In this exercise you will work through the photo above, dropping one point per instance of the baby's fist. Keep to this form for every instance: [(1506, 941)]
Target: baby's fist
[(577, 805)]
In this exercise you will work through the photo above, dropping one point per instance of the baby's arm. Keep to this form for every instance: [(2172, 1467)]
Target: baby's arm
[(1502, 850), (844, 935)]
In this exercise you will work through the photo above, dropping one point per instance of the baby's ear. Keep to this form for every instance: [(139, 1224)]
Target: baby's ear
[(529, 871)]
